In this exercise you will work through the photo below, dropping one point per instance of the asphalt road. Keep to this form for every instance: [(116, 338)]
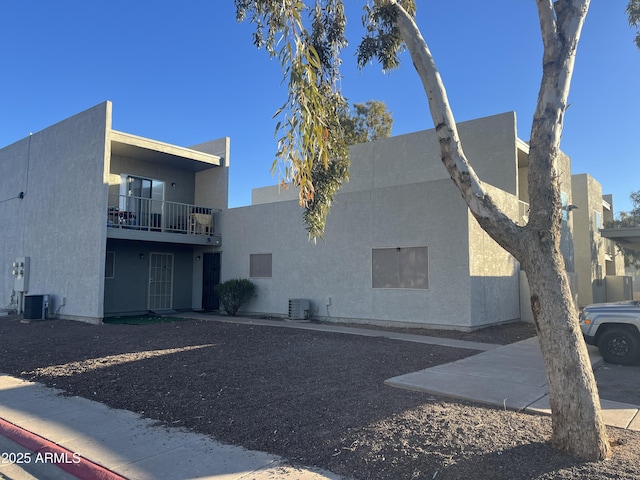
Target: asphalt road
[(619, 383)]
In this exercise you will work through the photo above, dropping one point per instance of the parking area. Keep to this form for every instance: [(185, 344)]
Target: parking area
[(620, 383)]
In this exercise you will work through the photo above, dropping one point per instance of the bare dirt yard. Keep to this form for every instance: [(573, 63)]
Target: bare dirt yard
[(315, 398)]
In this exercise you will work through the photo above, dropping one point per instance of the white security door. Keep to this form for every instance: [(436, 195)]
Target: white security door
[(160, 281)]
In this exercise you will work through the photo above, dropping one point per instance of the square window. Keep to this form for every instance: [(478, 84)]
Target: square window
[(260, 265), (406, 267)]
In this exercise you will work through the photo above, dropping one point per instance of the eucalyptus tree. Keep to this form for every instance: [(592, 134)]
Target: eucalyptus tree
[(633, 11), (308, 38), (366, 122)]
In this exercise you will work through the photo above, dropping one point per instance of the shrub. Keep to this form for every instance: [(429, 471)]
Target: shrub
[(234, 293)]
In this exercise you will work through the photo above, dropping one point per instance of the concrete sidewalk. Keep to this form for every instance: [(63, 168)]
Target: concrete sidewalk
[(337, 328), (114, 443), (511, 376)]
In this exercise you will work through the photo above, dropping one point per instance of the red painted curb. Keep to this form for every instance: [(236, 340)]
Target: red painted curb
[(54, 454)]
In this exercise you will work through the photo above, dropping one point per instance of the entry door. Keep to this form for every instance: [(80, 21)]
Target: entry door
[(160, 281), (210, 278)]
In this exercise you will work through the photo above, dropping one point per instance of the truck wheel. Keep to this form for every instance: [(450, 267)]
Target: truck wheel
[(620, 345)]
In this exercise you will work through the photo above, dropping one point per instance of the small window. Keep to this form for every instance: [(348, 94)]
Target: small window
[(406, 267), (260, 265), (110, 265)]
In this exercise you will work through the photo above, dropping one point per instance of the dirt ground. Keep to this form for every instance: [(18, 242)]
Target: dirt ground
[(315, 398)]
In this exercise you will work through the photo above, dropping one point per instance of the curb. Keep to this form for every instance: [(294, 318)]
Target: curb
[(54, 454)]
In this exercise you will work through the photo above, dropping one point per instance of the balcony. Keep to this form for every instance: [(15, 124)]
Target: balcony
[(138, 218)]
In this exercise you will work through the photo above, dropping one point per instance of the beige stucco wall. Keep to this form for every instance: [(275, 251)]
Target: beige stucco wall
[(588, 244), (614, 255), (490, 144)]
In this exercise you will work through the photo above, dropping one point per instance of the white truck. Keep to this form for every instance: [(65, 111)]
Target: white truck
[(615, 329)]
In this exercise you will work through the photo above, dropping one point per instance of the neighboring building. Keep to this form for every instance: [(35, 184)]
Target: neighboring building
[(599, 264), (115, 224), (400, 244)]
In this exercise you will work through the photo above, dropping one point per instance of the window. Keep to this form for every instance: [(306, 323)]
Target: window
[(110, 265), (597, 220), (565, 205), (406, 267), (260, 265)]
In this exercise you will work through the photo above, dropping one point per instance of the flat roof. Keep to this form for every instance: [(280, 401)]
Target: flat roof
[(626, 237), (132, 146)]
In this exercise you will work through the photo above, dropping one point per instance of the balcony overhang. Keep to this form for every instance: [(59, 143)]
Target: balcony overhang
[(625, 237), (131, 146), (164, 237)]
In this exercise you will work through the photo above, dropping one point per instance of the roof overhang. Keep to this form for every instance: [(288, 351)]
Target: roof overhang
[(522, 151), (625, 237), (131, 146)]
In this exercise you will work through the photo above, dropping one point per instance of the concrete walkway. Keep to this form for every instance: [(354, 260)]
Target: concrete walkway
[(511, 376), (337, 328)]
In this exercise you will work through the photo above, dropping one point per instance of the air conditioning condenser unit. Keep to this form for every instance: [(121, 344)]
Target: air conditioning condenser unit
[(299, 308), (36, 307)]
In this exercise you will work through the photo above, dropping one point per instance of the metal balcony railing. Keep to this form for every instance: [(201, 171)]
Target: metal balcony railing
[(139, 213)]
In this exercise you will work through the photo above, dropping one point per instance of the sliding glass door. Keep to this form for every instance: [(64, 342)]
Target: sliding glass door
[(142, 199)]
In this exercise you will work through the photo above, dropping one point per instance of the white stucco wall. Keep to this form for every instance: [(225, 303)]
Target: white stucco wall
[(212, 185), (60, 224), (428, 214), (399, 195), (494, 283)]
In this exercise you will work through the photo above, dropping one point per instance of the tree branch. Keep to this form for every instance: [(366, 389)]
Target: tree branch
[(561, 23), (500, 227), (547, 23)]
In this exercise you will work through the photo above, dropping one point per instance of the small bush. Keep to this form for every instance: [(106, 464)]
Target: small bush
[(234, 293)]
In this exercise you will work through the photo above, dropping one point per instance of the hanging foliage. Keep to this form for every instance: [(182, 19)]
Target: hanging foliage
[(312, 152)]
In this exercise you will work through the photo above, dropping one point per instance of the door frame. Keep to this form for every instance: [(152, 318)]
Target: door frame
[(166, 296)]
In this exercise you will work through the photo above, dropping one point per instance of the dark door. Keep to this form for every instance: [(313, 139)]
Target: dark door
[(210, 278)]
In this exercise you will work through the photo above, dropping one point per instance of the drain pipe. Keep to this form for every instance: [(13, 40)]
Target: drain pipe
[(14, 303)]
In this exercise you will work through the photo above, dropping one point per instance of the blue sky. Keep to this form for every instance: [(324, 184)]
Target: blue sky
[(186, 72)]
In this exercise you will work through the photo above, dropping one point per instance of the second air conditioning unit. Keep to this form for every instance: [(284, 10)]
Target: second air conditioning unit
[(299, 309)]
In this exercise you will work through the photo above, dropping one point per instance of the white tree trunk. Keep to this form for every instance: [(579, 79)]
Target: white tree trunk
[(577, 423)]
